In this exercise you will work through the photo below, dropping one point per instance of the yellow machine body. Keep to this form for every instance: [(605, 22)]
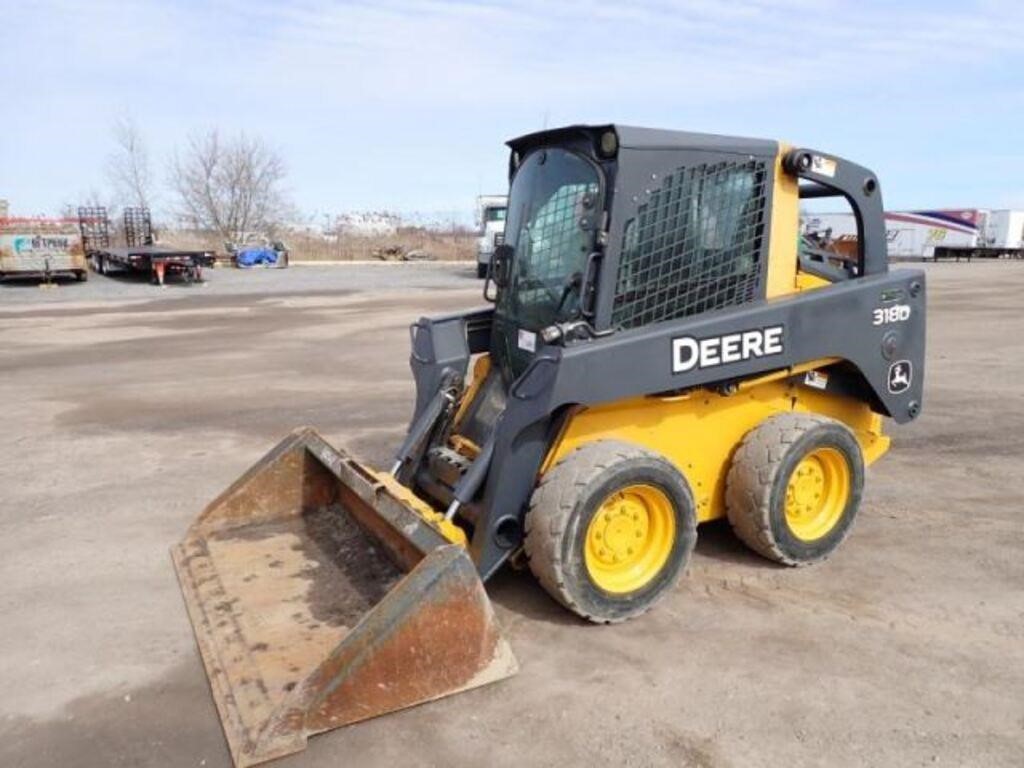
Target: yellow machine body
[(698, 431)]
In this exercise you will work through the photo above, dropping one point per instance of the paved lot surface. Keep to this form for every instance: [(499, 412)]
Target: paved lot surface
[(128, 407), (226, 281)]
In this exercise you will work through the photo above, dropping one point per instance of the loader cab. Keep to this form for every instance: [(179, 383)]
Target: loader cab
[(613, 228)]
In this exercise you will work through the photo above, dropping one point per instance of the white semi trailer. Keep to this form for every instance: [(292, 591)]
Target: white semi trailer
[(1004, 229), (490, 215), (955, 233)]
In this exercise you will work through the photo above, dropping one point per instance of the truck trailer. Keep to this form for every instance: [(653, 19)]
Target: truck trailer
[(140, 253), (41, 247), (490, 213), (953, 233), (1004, 229)]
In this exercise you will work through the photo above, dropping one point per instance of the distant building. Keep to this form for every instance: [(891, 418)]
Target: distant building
[(367, 224)]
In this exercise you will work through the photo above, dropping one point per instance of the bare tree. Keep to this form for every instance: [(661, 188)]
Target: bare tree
[(229, 186), (128, 166)]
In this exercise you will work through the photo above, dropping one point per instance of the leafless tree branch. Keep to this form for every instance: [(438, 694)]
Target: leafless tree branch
[(128, 167), (231, 187)]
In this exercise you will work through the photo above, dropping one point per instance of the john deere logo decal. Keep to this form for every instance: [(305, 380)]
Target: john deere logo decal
[(901, 373)]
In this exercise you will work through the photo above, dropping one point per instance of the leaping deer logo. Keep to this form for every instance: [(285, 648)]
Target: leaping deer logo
[(899, 376)]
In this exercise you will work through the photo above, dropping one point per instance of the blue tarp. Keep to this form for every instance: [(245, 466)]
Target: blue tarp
[(254, 257)]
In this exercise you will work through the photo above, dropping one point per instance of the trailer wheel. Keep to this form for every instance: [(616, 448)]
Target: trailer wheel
[(794, 487), (610, 529), (82, 275)]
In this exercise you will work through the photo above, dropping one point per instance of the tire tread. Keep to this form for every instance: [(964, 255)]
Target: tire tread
[(750, 478), (552, 505)]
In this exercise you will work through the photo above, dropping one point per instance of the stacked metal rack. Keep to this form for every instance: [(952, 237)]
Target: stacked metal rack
[(138, 227), (94, 225)]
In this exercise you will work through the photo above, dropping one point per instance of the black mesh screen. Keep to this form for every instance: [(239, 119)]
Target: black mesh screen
[(694, 245)]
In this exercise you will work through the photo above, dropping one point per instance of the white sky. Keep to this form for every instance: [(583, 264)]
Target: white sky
[(405, 104)]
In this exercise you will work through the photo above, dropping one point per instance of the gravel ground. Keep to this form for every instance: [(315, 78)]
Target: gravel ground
[(227, 281), (128, 409)]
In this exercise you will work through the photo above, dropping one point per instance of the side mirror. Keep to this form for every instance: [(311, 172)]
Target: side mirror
[(498, 271)]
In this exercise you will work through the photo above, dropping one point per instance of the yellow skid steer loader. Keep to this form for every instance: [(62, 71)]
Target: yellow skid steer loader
[(663, 349)]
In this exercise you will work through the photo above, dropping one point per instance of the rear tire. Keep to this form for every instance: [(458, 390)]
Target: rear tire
[(641, 506), (794, 487), (81, 275), (481, 270)]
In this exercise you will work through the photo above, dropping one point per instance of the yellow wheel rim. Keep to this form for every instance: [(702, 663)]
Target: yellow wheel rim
[(817, 494), (630, 538)]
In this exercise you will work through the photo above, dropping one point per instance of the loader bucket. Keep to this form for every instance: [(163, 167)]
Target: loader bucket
[(319, 598)]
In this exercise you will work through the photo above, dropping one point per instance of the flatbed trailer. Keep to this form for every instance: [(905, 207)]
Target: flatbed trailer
[(946, 253), (140, 254), (154, 260)]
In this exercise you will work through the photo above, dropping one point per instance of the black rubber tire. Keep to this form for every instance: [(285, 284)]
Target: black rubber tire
[(81, 275), (562, 506), (755, 492), (481, 270)]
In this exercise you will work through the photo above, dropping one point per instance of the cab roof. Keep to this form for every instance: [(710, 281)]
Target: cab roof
[(634, 137)]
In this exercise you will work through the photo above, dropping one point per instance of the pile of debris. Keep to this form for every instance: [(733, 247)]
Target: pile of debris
[(398, 253)]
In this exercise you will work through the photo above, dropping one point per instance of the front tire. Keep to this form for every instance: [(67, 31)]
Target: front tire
[(610, 529), (794, 487)]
